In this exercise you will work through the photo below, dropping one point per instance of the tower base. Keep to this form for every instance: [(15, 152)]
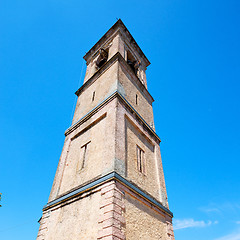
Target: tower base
[(109, 207)]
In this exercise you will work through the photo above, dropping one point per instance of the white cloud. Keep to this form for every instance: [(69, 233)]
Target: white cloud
[(209, 209), (190, 223), (232, 236), (237, 222), (221, 208)]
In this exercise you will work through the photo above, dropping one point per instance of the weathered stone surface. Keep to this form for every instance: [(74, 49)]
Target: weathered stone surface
[(112, 132)]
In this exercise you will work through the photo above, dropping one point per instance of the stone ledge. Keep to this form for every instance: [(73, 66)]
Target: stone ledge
[(103, 103), (117, 57), (102, 180)]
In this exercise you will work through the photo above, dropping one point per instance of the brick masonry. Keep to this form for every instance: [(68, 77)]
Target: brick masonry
[(43, 225), (113, 116), (112, 221)]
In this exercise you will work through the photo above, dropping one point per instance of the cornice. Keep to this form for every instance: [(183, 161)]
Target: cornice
[(100, 181), (97, 74), (103, 103), (116, 57), (109, 33)]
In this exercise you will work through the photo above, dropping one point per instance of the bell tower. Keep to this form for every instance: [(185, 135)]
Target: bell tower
[(109, 183)]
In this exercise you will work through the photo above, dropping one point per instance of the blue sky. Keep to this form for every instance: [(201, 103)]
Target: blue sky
[(193, 47)]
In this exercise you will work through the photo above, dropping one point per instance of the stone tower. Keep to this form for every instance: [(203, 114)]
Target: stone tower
[(109, 182)]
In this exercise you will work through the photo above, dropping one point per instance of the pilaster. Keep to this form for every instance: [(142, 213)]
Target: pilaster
[(112, 221)]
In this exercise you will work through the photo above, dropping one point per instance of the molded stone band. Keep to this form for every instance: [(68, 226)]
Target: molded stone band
[(102, 180), (104, 102), (117, 57)]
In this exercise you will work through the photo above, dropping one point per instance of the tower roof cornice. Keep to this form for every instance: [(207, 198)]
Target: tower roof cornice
[(118, 26)]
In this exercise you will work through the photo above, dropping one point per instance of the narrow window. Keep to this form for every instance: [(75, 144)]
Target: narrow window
[(141, 160), (83, 156), (136, 99), (93, 96)]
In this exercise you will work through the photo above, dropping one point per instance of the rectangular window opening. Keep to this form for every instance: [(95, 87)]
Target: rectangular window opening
[(141, 160), (83, 156), (93, 96)]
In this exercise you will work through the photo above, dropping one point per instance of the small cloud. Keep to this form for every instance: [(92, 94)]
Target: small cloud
[(190, 223), (208, 210), (237, 222), (222, 208), (232, 236)]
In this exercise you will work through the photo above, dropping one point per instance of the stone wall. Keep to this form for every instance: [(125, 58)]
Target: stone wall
[(73, 220), (107, 211), (100, 155), (99, 190), (129, 88), (103, 86)]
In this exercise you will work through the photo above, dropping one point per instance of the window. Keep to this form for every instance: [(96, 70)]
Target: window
[(93, 96), (83, 156), (136, 99), (141, 160)]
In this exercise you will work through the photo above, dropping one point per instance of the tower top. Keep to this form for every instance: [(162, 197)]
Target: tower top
[(118, 27)]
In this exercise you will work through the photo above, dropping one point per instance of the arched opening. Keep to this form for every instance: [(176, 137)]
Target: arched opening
[(102, 58), (132, 62)]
